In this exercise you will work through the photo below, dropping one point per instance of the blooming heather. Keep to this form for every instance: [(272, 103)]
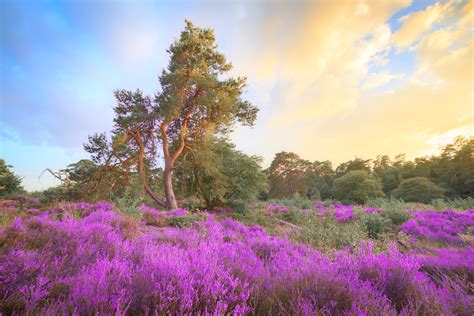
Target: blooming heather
[(91, 264), (272, 207), (445, 226), (370, 209), (344, 213)]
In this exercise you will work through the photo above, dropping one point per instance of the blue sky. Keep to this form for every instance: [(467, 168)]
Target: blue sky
[(320, 72)]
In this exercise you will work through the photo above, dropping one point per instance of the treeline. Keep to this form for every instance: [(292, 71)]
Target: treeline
[(447, 175), (215, 174)]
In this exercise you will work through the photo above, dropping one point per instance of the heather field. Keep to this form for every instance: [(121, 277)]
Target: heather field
[(212, 157), (285, 257)]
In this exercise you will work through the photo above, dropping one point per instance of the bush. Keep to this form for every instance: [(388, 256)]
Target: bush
[(374, 224), (357, 186), (326, 233), (418, 189), (297, 202), (459, 204)]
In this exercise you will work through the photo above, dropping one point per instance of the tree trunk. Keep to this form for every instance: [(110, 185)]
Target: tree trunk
[(143, 176), (168, 183)]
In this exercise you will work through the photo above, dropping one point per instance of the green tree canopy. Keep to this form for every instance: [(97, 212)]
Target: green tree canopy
[(196, 99), (10, 183), (222, 175), (418, 189), (287, 175), (357, 186), (356, 164)]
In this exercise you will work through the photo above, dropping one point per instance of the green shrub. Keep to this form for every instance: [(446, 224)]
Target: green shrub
[(418, 189), (296, 202), (460, 204), (397, 217), (374, 224), (395, 210), (327, 234), (184, 221), (129, 206)]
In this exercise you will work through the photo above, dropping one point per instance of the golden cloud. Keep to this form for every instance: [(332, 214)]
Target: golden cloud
[(324, 110)]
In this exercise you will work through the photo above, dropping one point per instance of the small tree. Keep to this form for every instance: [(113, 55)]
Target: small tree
[(195, 99), (10, 183), (221, 175), (357, 186), (418, 189)]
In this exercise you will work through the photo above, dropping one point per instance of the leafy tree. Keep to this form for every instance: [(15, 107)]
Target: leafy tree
[(135, 125), (454, 168), (287, 174), (356, 164), (222, 175), (195, 99), (10, 183), (357, 186), (319, 179), (388, 173), (418, 189), (112, 168)]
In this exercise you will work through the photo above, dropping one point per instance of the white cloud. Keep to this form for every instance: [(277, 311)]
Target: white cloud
[(378, 79)]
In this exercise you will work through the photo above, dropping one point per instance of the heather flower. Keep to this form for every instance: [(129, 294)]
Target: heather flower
[(177, 212), (453, 262), (318, 205), (33, 202), (33, 211), (87, 265), (344, 213), (277, 207), (445, 226), (371, 210)]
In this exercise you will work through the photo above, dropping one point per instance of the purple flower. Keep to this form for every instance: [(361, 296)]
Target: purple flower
[(445, 226), (371, 210), (89, 265), (277, 207)]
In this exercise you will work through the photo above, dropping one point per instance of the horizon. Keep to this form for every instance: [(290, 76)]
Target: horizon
[(386, 77)]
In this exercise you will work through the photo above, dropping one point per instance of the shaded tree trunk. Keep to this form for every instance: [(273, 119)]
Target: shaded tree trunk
[(170, 159), (168, 184), (142, 172), (168, 171)]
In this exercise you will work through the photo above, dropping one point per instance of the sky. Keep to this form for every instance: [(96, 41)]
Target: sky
[(334, 80)]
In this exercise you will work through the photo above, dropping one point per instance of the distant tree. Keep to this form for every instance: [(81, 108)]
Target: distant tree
[(423, 166), (10, 183), (388, 173), (351, 165), (357, 186), (287, 174), (418, 189), (453, 169), (319, 178), (195, 99)]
